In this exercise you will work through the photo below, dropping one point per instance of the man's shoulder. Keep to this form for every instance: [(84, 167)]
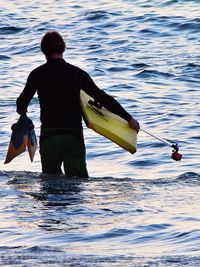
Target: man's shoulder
[(38, 69), (74, 68)]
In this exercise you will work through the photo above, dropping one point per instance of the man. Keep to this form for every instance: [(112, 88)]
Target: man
[(58, 85)]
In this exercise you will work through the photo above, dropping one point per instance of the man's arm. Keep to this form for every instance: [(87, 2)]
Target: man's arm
[(25, 97), (112, 105), (108, 101)]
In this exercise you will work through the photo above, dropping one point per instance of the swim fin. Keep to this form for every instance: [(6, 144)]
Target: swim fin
[(32, 141), (22, 136)]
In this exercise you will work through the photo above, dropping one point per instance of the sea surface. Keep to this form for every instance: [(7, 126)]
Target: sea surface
[(133, 210)]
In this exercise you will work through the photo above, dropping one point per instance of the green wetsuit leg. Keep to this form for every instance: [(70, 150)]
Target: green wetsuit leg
[(51, 156), (66, 149), (75, 160)]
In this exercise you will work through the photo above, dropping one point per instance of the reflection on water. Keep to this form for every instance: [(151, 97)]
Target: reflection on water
[(87, 213)]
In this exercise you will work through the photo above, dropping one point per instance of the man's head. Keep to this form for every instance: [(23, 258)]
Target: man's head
[(52, 43)]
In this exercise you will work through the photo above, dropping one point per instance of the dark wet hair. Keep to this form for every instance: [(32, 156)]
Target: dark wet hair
[(52, 42)]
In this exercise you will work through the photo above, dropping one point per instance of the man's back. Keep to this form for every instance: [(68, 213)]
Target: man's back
[(58, 85)]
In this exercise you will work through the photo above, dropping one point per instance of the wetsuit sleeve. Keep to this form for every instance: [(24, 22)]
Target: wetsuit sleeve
[(103, 98), (25, 97)]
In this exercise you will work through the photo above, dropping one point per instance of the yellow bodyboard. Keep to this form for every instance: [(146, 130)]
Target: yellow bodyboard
[(108, 124)]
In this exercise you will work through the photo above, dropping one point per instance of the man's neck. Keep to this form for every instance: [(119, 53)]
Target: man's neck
[(55, 56)]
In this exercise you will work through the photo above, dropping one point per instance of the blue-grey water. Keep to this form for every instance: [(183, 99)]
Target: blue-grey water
[(134, 210)]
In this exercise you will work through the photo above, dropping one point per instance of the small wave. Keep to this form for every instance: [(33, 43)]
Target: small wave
[(192, 26), (18, 175), (179, 23), (116, 69), (10, 30), (55, 256), (148, 32), (97, 15), (191, 69), (2, 57), (190, 178), (63, 184), (192, 65), (140, 65), (168, 3), (152, 73)]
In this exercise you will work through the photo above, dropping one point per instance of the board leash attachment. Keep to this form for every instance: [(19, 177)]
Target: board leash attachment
[(96, 107), (175, 155)]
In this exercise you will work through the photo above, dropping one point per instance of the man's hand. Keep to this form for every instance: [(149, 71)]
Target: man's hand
[(134, 124)]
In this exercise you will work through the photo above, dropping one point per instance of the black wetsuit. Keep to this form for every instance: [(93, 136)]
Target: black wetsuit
[(58, 85)]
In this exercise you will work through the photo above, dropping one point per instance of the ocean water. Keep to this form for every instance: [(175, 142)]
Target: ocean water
[(134, 210)]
